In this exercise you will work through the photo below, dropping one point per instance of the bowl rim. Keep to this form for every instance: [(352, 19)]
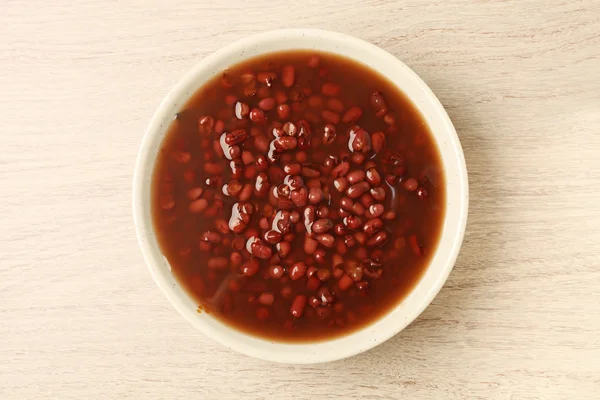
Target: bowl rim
[(301, 352)]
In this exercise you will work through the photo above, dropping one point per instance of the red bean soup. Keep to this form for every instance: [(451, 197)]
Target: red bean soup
[(298, 196)]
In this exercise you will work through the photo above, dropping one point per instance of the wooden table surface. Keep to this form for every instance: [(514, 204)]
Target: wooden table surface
[(81, 318)]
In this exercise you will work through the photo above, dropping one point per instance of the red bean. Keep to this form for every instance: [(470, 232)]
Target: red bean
[(299, 197), (389, 215), (340, 247), (414, 245), (310, 245), (298, 305), (205, 246), (345, 282), (261, 162), (313, 284), (297, 271), (319, 256), (311, 271), (219, 127), (276, 271), (315, 101), (352, 222), (323, 212), (247, 157), (392, 179), (313, 301), (422, 193), (194, 193), (315, 195), (246, 192), (354, 271), (259, 249), (378, 141), (236, 259), (359, 139), (326, 240), (288, 75), (411, 184), (360, 237), (181, 157), (294, 217), (310, 171), (206, 124), (379, 239), (358, 189), (329, 134), (372, 226), (322, 226), (263, 91), (262, 313), (337, 260), (283, 111), (314, 61), (340, 170), (236, 167), (340, 229), (358, 158), (266, 298), (266, 78), (242, 110), (375, 211), (262, 185), (218, 263), (273, 237), (373, 176), (211, 237), (337, 273), (197, 206), (378, 103), (301, 156), (286, 291), (330, 116), (281, 97), (213, 181), (323, 274), (389, 119), (358, 209), (267, 104), (283, 249), (257, 116), (352, 114), (349, 241), (356, 176), (335, 105), (236, 137), (330, 89), (249, 91), (346, 203), (340, 184), (292, 169), (247, 77), (285, 143), (250, 267)]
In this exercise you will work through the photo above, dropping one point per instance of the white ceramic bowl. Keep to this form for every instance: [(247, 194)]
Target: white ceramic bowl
[(456, 198)]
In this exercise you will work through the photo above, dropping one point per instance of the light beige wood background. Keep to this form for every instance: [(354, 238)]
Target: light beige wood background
[(81, 318)]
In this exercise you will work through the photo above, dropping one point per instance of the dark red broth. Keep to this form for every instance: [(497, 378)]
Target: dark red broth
[(298, 196)]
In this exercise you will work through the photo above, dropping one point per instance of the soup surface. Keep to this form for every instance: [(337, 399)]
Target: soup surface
[(298, 196)]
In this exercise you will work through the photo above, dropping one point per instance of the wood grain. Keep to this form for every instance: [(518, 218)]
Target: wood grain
[(80, 317)]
